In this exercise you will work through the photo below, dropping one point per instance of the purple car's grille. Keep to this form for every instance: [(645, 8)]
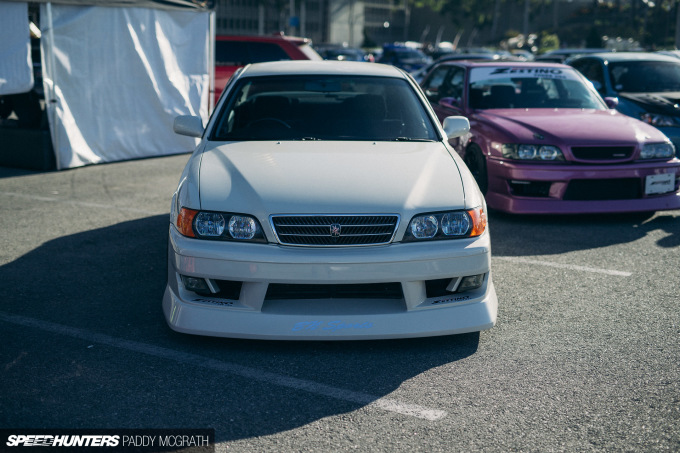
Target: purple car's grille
[(335, 230), (603, 189), (602, 152)]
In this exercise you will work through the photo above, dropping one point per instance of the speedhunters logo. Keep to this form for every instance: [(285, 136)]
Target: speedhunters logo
[(533, 71), (109, 440), (46, 440)]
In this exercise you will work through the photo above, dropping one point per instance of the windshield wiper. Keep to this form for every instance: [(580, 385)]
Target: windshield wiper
[(409, 139), (309, 139)]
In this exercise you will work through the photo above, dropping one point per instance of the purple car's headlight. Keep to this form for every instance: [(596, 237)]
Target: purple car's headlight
[(657, 151), (542, 153)]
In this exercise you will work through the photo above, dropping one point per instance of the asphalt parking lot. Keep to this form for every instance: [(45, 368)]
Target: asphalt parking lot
[(585, 355)]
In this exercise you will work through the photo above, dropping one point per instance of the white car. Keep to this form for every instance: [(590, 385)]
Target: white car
[(324, 202)]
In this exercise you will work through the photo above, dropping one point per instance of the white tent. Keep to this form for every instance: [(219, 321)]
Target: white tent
[(117, 73)]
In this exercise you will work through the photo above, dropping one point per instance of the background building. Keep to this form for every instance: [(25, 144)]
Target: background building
[(355, 22)]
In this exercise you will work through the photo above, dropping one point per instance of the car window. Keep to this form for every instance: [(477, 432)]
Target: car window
[(445, 81), (323, 108), (231, 53), (435, 80), (454, 86), (530, 87), (592, 70), (240, 53), (645, 76), (265, 51)]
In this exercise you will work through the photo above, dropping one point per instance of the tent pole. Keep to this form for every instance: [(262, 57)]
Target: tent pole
[(211, 64), (51, 101)]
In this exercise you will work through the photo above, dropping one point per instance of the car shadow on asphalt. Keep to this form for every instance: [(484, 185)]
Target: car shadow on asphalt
[(88, 356), (532, 235)]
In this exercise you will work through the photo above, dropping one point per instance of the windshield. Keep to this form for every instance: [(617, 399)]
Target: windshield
[(323, 108), (530, 87), (645, 76)]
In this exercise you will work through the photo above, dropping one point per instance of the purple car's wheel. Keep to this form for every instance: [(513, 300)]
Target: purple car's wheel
[(476, 163)]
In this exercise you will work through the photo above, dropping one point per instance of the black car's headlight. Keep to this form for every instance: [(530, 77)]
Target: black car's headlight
[(657, 151), (545, 153), (446, 225), (658, 120), (219, 226)]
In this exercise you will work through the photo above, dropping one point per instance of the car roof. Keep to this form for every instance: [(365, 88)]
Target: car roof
[(313, 67), (630, 56), (504, 64), (575, 50), (264, 38)]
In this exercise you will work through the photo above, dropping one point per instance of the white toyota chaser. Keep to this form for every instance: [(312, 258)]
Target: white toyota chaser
[(324, 202)]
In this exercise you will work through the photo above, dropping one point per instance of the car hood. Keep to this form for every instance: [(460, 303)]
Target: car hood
[(567, 127), (314, 177), (667, 103)]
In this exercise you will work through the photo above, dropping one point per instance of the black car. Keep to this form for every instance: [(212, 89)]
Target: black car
[(646, 84)]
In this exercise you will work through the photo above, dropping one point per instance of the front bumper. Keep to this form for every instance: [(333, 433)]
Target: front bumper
[(252, 313), (551, 188)]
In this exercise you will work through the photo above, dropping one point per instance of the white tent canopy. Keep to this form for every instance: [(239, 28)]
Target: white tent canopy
[(16, 69), (115, 77)]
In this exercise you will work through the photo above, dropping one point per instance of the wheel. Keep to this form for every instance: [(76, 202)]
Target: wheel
[(476, 162), (271, 120)]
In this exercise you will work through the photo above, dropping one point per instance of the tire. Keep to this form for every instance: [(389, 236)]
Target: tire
[(476, 163)]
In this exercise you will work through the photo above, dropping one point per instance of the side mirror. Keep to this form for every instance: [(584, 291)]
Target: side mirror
[(456, 126), (191, 126), (611, 102)]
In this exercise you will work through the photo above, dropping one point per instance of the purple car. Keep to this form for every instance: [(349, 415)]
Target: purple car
[(543, 141)]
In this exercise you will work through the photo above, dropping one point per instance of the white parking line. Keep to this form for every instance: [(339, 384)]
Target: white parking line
[(572, 267), (387, 404)]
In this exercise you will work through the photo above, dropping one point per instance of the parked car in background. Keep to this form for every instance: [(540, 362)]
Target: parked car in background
[(342, 53), (647, 86), (488, 56), (522, 54), (543, 141), (672, 53), (323, 203), (561, 55), (233, 52), (403, 57)]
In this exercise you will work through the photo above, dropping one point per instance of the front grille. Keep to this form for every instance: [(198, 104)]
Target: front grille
[(334, 230), (602, 152), (280, 291), (603, 189)]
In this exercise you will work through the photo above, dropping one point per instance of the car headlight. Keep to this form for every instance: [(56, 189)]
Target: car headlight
[(218, 225), (548, 153), (446, 225), (658, 120), (657, 151)]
